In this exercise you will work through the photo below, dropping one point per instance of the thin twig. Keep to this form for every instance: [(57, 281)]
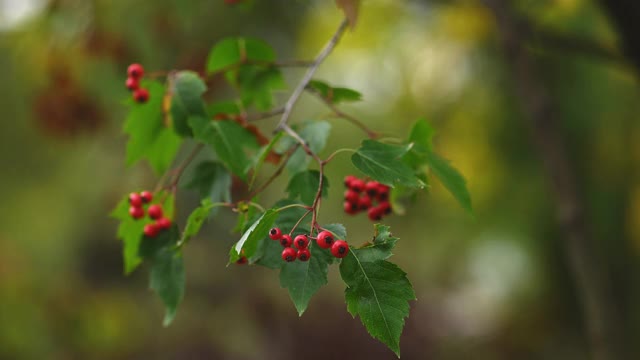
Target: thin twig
[(265, 115), (275, 173), (288, 107)]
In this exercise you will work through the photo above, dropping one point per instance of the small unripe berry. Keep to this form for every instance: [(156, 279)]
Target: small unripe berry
[(325, 239), (351, 196), (163, 223), (351, 207), (155, 211), (364, 202), (340, 248), (371, 188), (304, 254), (301, 241), (141, 95), (275, 233), (136, 212), (375, 213), (348, 180), (132, 84), (135, 71), (286, 241), (289, 254), (135, 200), (146, 196), (357, 185), (151, 230)]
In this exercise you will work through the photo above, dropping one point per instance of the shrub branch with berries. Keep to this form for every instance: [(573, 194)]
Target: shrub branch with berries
[(286, 235)]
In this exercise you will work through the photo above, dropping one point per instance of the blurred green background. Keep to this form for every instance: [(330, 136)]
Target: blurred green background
[(497, 286)]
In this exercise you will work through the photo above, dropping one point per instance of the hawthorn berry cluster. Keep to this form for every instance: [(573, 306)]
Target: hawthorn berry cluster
[(155, 212), (135, 72), (361, 195), (325, 240)]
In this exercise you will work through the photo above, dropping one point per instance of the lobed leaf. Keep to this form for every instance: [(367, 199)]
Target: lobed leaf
[(168, 280), (382, 162), (186, 100), (212, 180), (232, 51), (197, 217), (451, 179), (305, 186), (315, 134)]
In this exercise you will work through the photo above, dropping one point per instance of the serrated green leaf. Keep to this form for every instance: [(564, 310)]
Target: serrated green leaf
[(335, 95), (316, 135), (257, 84), (304, 278), (229, 139), (168, 280), (451, 179), (381, 246), (212, 180), (379, 293), (150, 247), (149, 136), (305, 186), (197, 217), (232, 51), (250, 240), (338, 230), (262, 156), (186, 100), (382, 162)]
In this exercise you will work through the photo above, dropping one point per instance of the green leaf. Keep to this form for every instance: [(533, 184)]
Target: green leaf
[(420, 138), (304, 278), (379, 293), (383, 163), (232, 51), (223, 107), (186, 100), (305, 185), (335, 95), (250, 240), (196, 219), (380, 248), (338, 230), (257, 84), (168, 281), (229, 139), (262, 156), (316, 135), (212, 180), (149, 137), (151, 247), (451, 179)]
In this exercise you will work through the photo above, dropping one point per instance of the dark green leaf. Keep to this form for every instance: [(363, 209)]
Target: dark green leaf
[(338, 230), (168, 280), (305, 185), (451, 179), (383, 163), (381, 247), (335, 95), (212, 180), (151, 247), (229, 139), (257, 84), (232, 51), (262, 156), (250, 240), (316, 135), (305, 278), (379, 293), (196, 219), (223, 107), (149, 136), (186, 100), (420, 139)]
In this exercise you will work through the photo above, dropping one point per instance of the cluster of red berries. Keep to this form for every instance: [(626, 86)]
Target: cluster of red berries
[(135, 73), (339, 248), (136, 210), (361, 195)]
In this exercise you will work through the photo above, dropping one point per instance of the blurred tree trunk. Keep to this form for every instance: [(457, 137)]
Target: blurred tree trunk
[(588, 270)]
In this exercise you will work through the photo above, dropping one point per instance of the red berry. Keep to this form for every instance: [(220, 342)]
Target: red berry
[(375, 213), (135, 71), (155, 211), (340, 248), (357, 185), (351, 207), (304, 254), (151, 230), (348, 180), (289, 254), (242, 260), (371, 188), (141, 95), (325, 239), (301, 241), (364, 203), (136, 212), (163, 223), (286, 241), (383, 193), (385, 207), (275, 233), (132, 84), (351, 196), (146, 196), (135, 200)]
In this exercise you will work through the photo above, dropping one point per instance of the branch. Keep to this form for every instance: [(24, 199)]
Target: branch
[(288, 107)]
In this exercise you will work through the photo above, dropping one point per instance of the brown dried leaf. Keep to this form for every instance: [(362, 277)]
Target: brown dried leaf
[(350, 9)]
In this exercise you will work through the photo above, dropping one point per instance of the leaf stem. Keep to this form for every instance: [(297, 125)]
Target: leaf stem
[(339, 151)]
